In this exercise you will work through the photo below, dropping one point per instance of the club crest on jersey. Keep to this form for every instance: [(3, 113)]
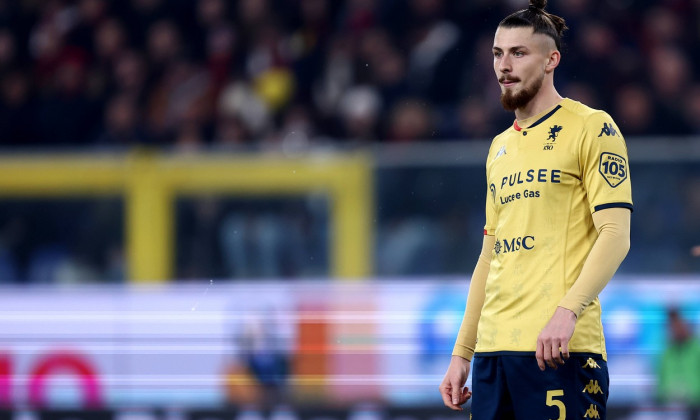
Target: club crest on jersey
[(553, 134)]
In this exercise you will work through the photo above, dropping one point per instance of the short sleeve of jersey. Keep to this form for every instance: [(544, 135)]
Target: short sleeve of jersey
[(604, 164)]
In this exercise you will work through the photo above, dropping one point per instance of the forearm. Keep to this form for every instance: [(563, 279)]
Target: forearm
[(607, 254), (466, 339)]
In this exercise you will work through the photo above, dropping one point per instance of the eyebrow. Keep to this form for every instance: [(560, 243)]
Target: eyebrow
[(517, 47)]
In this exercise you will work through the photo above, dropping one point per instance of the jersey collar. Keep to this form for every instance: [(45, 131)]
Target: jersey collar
[(538, 122)]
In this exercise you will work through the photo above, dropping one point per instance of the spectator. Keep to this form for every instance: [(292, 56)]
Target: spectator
[(122, 127), (410, 120), (359, 110), (17, 110), (634, 109), (110, 41), (66, 115), (8, 49), (129, 74), (679, 381), (475, 120), (692, 108)]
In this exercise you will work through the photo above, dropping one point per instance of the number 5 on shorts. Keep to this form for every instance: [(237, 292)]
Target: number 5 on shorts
[(551, 401)]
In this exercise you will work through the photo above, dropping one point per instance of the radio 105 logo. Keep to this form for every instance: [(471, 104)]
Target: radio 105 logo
[(613, 168)]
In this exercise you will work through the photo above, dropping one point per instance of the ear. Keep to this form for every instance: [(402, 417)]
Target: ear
[(552, 61)]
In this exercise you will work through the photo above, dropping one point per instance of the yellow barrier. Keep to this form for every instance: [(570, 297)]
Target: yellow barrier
[(150, 182)]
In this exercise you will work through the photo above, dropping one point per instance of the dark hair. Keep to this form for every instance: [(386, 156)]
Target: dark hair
[(540, 21)]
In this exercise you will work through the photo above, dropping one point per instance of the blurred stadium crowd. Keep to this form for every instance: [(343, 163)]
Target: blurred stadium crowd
[(292, 73)]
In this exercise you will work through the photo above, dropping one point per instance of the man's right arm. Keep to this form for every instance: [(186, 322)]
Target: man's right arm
[(452, 388), (466, 339)]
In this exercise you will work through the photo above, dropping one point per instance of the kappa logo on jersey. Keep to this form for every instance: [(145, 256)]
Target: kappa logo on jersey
[(515, 244), (613, 168), (593, 388), (592, 412), (608, 130), (590, 363), (501, 152), (554, 132)]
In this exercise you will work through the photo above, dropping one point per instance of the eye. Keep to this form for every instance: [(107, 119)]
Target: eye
[(497, 54), (518, 53)]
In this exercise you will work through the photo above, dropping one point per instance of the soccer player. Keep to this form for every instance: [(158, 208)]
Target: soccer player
[(557, 227)]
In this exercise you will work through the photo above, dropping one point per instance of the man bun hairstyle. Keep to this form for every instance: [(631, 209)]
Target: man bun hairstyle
[(539, 20)]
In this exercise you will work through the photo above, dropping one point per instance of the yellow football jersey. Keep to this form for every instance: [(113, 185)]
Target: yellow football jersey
[(544, 182)]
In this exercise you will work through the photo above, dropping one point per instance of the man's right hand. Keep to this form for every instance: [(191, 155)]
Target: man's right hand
[(454, 393)]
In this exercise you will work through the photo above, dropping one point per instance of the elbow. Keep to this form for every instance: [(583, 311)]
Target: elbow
[(626, 240), (626, 244)]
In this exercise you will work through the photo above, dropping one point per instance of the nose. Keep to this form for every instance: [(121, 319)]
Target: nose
[(504, 65)]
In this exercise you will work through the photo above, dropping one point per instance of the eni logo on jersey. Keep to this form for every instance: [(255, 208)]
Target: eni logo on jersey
[(505, 246)]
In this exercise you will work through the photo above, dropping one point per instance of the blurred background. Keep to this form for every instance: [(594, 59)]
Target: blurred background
[(271, 208)]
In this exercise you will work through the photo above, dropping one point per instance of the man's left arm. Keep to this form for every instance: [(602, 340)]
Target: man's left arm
[(611, 247), (606, 180)]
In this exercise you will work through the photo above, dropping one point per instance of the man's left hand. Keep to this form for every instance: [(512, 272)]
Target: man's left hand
[(553, 341)]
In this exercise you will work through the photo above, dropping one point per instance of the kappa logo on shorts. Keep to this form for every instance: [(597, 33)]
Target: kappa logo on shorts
[(593, 388), (592, 412), (590, 363)]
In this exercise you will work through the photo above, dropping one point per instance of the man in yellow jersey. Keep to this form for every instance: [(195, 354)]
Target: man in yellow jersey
[(557, 227)]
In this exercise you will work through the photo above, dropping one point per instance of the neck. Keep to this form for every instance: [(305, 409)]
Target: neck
[(546, 98)]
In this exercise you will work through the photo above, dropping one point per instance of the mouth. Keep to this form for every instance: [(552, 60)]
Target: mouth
[(508, 82)]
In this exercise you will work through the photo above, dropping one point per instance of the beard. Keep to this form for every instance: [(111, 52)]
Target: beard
[(512, 101)]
